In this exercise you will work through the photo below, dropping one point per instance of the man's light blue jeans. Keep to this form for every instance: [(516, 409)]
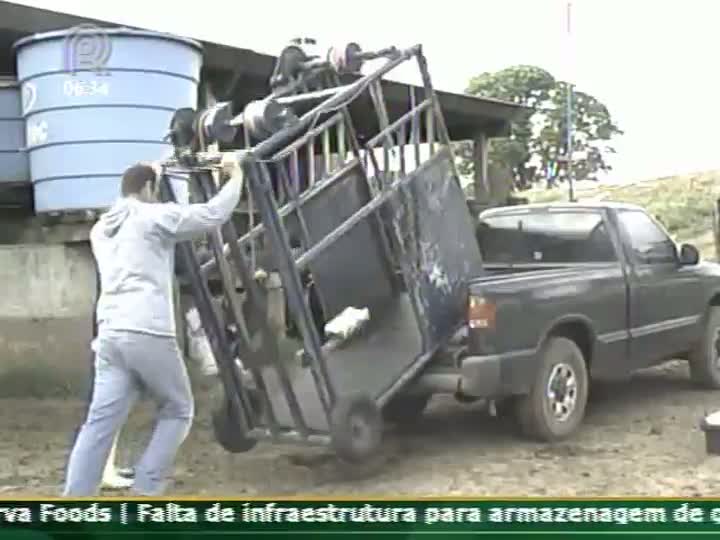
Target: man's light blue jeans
[(125, 363)]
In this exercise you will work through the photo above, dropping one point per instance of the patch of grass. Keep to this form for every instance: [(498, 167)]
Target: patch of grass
[(684, 204)]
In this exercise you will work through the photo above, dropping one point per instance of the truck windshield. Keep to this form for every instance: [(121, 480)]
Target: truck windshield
[(545, 237)]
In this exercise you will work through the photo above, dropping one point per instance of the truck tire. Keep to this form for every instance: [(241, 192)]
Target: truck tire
[(705, 359), (555, 406), (405, 408)]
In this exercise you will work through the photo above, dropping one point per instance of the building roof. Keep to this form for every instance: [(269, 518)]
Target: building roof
[(464, 115), (560, 207)]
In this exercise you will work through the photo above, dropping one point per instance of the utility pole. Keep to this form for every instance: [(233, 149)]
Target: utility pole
[(569, 145)]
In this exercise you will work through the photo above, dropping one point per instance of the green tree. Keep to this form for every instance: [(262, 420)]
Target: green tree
[(537, 147)]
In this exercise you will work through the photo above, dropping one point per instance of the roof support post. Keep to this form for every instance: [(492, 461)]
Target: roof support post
[(481, 181)]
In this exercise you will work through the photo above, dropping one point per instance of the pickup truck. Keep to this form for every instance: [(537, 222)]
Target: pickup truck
[(572, 294)]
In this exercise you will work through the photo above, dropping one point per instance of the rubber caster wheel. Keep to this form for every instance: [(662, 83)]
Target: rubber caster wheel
[(226, 427), (356, 428)]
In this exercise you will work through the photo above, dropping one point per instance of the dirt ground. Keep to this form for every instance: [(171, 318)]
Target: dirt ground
[(640, 437)]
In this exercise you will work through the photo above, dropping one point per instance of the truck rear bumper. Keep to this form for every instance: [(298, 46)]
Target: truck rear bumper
[(497, 375)]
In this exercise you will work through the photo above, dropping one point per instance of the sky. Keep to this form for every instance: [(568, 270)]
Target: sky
[(652, 62)]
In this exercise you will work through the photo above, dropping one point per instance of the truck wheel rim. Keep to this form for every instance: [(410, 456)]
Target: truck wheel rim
[(562, 392)]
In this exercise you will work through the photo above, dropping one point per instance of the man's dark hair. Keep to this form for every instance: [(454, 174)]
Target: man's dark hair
[(135, 178)]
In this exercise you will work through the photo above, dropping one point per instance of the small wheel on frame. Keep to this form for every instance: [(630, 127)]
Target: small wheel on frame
[(227, 429), (356, 428)]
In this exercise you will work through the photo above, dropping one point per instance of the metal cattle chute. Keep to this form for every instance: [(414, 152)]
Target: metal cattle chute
[(354, 206)]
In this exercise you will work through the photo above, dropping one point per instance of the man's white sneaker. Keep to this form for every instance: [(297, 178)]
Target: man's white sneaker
[(113, 480)]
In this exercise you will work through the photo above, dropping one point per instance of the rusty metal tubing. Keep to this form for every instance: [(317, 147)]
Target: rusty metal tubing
[(294, 196), (310, 148), (282, 373), (402, 140), (372, 187), (430, 130), (252, 296), (261, 184), (405, 378), (295, 99), (217, 338), (271, 144), (284, 211), (292, 87), (251, 291), (326, 125), (410, 115), (341, 140), (388, 52), (442, 126), (378, 99), (408, 375), (326, 150), (314, 95), (226, 275), (295, 174), (352, 133), (352, 221)]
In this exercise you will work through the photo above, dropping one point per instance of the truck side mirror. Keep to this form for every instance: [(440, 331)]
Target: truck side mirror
[(689, 255)]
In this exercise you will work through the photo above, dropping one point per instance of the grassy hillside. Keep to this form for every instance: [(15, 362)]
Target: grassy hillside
[(683, 203)]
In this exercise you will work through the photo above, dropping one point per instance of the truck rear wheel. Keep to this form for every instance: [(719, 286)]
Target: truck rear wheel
[(705, 359), (555, 406)]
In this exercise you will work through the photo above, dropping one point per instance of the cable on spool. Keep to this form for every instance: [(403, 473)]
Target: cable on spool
[(346, 58)]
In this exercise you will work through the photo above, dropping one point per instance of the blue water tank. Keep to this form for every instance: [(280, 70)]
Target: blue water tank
[(95, 101), (14, 166)]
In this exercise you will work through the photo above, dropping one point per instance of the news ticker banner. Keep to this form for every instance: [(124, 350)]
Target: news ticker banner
[(333, 519)]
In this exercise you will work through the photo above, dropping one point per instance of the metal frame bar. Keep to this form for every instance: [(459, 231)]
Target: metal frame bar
[(207, 190), (261, 186), (214, 328)]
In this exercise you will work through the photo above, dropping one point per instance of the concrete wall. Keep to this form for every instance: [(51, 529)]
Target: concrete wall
[(48, 294)]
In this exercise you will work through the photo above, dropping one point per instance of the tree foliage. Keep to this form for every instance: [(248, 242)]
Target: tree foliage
[(537, 148)]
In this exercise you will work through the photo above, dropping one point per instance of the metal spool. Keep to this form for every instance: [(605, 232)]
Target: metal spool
[(346, 58), (289, 65), (182, 127), (216, 123), (265, 117)]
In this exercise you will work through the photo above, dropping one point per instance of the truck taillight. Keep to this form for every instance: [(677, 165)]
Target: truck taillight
[(481, 313)]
